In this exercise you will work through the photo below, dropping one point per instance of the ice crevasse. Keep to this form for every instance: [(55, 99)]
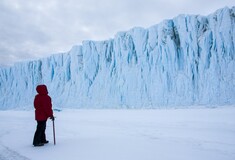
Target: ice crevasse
[(187, 60)]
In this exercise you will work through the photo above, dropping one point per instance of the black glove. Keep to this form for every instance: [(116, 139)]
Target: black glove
[(52, 118)]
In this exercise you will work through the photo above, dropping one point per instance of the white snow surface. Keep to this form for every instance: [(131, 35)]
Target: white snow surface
[(164, 134), (187, 60)]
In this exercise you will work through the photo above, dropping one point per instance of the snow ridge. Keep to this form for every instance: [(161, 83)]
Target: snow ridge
[(188, 60), (8, 154)]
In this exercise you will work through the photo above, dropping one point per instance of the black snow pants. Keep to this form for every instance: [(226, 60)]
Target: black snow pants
[(40, 136)]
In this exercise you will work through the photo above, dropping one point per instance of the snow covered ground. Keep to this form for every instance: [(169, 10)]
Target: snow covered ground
[(165, 134)]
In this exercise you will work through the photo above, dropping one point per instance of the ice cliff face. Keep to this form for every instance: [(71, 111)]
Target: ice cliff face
[(189, 60)]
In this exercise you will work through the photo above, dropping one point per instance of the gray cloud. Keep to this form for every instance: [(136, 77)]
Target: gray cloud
[(34, 29)]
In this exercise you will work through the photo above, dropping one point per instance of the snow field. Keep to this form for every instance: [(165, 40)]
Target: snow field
[(166, 134)]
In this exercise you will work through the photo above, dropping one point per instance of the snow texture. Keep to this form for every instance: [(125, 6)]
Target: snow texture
[(8, 154), (159, 134), (187, 60)]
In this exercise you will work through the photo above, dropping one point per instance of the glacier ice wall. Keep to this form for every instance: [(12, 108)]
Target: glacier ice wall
[(188, 60)]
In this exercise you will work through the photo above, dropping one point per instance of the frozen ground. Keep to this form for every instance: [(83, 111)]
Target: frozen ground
[(172, 134)]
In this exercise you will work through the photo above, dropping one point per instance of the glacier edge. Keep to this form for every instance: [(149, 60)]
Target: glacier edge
[(187, 60)]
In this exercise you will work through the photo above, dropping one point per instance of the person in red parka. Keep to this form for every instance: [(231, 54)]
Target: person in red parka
[(43, 111)]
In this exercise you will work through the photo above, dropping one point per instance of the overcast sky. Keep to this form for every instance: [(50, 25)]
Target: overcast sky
[(31, 29)]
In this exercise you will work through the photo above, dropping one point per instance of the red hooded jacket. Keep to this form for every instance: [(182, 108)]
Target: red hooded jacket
[(42, 104)]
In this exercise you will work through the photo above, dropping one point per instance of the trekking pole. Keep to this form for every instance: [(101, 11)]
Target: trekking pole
[(53, 130)]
